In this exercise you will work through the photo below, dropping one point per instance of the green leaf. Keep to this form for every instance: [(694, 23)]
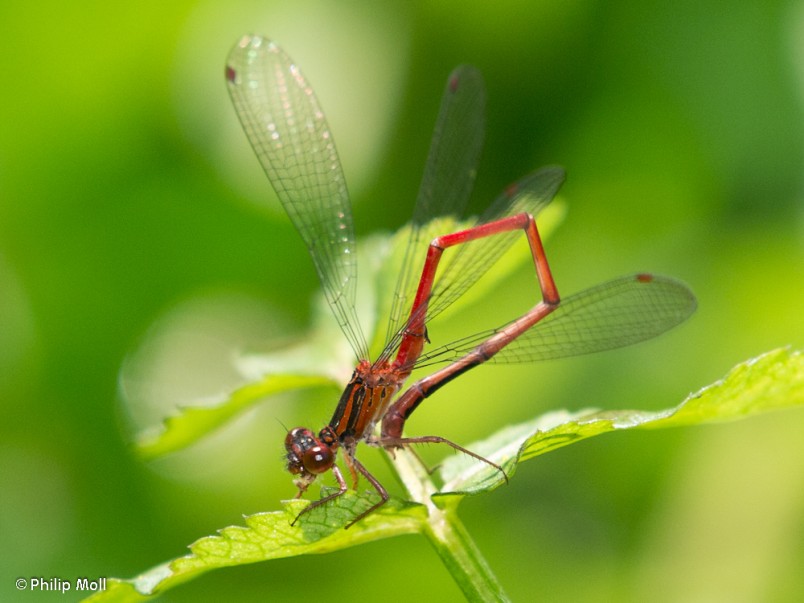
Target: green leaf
[(270, 536), (771, 381), (194, 422)]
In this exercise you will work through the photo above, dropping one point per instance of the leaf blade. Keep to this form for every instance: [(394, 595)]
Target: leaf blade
[(771, 381), (269, 536), (194, 422)]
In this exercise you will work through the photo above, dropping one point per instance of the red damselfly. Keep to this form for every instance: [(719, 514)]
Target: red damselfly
[(289, 133)]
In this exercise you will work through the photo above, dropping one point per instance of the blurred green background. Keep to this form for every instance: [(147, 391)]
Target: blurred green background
[(135, 224)]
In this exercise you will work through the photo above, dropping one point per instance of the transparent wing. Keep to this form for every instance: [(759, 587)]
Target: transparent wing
[(289, 133), (617, 313), (449, 175)]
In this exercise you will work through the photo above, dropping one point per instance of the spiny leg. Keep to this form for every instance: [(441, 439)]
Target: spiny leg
[(391, 443), (384, 497), (353, 464), (342, 488)]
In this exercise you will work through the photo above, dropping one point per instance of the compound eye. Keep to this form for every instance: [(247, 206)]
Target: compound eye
[(317, 459), (294, 464), (299, 437)]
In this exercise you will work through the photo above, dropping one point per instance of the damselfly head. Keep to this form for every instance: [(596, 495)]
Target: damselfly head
[(309, 455)]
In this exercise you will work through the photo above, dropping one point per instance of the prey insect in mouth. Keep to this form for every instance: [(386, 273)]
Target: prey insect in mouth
[(290, 136)]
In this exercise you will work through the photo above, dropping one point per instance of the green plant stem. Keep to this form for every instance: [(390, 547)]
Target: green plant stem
[(447, 534)]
